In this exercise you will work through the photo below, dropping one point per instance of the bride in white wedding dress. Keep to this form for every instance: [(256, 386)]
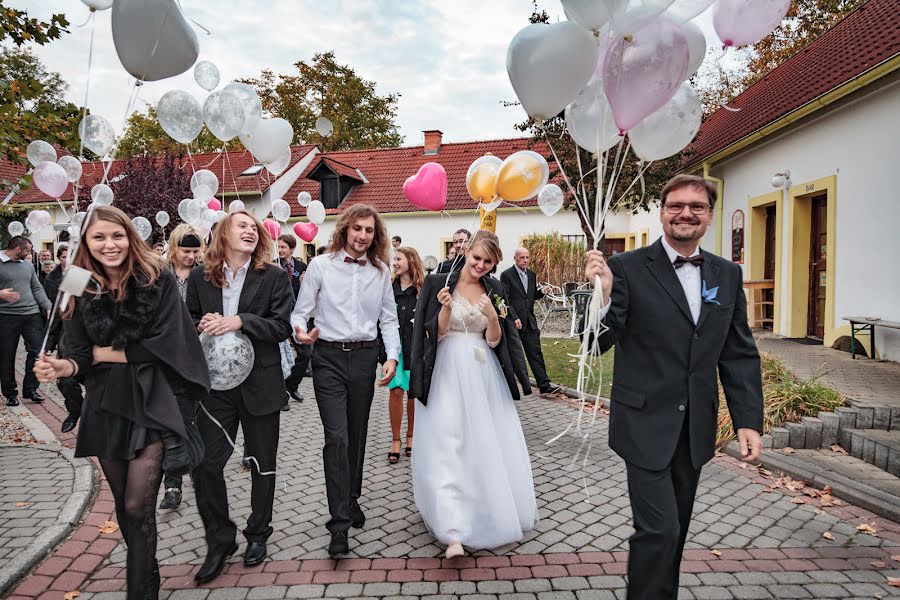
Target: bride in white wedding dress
[(471, 471)]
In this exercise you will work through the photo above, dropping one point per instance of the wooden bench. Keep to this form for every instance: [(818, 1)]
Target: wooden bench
[(863, 324)]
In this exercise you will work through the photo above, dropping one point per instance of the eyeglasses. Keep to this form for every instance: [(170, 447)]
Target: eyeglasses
[(697, 208)]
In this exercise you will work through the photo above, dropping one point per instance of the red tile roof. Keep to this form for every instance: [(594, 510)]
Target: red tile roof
[(865, 38), (386, 170), (339, 168)]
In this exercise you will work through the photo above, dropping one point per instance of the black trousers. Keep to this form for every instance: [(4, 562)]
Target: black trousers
[(531, 342), (261, 441), (31, 329), (304, 353), (344, 383), (72, 395), (661, 502)]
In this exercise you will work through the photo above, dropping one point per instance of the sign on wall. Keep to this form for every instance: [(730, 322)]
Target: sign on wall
[(737, 237), (488, 220)]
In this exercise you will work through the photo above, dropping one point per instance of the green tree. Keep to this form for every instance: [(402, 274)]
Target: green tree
[(322, 87), (144, 136)]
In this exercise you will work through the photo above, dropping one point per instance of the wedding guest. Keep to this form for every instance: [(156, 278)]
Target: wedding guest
[(295, 269), (132, 340), (408, 278), (40, 265), (471, 471), (460, 240), (238, 289), (451, 253), (160, 248), (350, 292)]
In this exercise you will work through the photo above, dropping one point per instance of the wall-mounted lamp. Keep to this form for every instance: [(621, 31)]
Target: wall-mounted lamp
[(779, 180)]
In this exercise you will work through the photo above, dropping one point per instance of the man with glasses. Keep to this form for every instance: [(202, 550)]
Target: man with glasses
[(460, 241), (678, 318)]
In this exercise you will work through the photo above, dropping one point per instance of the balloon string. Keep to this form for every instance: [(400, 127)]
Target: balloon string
[(135, 92), (569, 185), (233, 180), (252, 459), (87, 89)]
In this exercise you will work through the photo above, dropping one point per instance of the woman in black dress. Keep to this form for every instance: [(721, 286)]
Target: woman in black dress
[(132, 339)]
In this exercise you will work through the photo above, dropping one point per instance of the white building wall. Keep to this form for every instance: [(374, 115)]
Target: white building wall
[(859, 145)]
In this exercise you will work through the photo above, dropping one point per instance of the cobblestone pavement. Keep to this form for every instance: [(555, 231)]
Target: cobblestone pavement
[(752, 537)]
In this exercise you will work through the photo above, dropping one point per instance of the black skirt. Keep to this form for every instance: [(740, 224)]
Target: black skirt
[(109, 436)]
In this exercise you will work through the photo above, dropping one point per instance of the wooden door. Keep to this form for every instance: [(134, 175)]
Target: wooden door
[(613, 246), (768, 296), (818, 257)]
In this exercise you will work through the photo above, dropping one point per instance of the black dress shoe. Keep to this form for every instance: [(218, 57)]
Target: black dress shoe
[(214, 563), (12, 400), (35, 396), (69, 423), (171, 500), (286, 407), (339, 544), (296, 395), (255, 554), (551, 389), (357, 516)]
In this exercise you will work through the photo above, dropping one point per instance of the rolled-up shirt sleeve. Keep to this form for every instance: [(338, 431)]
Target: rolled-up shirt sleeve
[(390, 324)]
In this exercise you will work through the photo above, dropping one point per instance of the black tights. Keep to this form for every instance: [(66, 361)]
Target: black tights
[(135, 485)]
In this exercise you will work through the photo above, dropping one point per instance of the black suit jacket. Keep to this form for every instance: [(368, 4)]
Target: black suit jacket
[(521, 301), (295, 274), (666, 367), (445, 266), (425, 339), (265, 311)]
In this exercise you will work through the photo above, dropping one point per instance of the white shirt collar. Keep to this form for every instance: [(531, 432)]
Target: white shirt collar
[(521, 271), (673, 253), (244, 268), (341, 254), (4, 257)]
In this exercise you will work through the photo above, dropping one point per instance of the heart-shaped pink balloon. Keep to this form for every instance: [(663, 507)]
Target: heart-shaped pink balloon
[(214, 204), (428, 188), (306, 231), (272, 228)]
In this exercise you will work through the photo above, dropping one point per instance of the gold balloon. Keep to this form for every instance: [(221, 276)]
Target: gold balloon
[(482, 177), (521, 176)]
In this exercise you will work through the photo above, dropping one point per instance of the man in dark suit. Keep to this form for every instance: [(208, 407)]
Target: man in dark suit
[(677, 316), (460, 241), (295, 268), (239, 289), (520, 284)]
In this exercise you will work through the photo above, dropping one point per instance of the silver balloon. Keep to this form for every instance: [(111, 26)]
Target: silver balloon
[(206, 74), (37, 220), (97, 134), (281, 210), (143, 226), (40, 151), (153, 39), (78, 219), (202, 192), (589, 119), (15, 228), (250, 102), (182, 209), (667, 131), (224, 114), (207, 178), (303, 199), (102, 195), (235, 206), (98, 4), (162, 218), (194, 210), (180, 116), (550, 199), (72, 167), (324, 126), (230, 359)]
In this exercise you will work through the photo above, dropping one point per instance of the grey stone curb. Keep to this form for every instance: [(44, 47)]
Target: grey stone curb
[(69, 517), (570, 392), (878, 501)]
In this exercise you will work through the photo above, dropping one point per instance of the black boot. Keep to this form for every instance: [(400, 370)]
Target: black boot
[(171, 500)]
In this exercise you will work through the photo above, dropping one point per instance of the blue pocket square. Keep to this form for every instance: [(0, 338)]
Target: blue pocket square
[(709, 295)]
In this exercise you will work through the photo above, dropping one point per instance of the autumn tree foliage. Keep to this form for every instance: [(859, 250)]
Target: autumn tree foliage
[(145, 136)]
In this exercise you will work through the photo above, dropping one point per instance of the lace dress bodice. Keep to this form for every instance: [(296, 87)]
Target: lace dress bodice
[(464, 317)]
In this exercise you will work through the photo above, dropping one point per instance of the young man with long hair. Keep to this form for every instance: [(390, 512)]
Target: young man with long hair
[(350, 292), (238, 289)]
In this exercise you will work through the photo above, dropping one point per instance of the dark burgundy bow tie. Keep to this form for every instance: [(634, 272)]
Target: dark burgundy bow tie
[(696, 260), (361, 262)]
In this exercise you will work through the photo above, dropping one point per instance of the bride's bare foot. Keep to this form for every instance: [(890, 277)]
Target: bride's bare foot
[(453, 550)]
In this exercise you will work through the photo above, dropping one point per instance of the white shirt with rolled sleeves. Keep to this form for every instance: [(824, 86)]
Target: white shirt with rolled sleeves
[(348, 302), (688, 275)]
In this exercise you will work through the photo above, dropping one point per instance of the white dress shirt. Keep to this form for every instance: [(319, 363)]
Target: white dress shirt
[(523, 277), (688, 275), (348, 302), (231, 293)]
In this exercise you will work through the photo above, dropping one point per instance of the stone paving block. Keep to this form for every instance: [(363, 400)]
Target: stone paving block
[(895, 418), (831, 424), (749, 592), (788, 591), (881, 456), (857, 441), (781, 437), (797, 435), (766, 440), (869, 450), (814, 427), (865, 415), (881, 418)]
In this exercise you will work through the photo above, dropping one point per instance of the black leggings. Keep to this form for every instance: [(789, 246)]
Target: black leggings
[(135, 485)]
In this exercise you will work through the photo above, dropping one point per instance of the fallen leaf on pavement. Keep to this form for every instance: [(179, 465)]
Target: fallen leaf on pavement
[(827, 535), (838, 450), (21, 504), (716, 552), (894, 581), (71, 595), (819, 511), (788, 450), (866, 528), (108, 527), (798, 500), (895, 557), (826, 489), (827, 500), (878, 564)]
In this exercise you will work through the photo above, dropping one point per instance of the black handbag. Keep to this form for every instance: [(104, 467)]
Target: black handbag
[(183, 454)]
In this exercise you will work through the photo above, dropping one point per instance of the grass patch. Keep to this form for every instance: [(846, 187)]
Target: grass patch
[(787, 399), (563, 368)]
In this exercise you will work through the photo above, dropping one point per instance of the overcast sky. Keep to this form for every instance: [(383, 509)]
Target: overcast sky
[(446, 58)]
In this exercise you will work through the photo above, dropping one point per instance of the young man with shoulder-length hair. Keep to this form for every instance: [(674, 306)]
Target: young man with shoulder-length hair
[(349, 292), (238, 289)]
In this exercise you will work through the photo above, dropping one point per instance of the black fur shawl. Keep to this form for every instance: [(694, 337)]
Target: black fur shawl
[(118, 324)]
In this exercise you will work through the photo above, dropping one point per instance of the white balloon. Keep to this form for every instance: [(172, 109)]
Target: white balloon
[(51, 179), (98, 4), (194, 210), (315, 212), (102, 195), (230, 358), (15, 228), (589, 119), (281, 210), (143, 227), (220, 214), (97, 134), (153, 39), (251, 103), (550, 199), (224, 114), (590, 14), (696, 47), (37, 220), (490, 206), (78, 219), (270, 138), (304, 198), (630, 15), (72, 167), (281, 163), (667, 131), (206, 74), (182, 209), (683, 11), (235, 206), (162, 218), (202, 192), (324, 126), (549, 64), (207, 178), (180, 116), (207, 218), (40, 151)]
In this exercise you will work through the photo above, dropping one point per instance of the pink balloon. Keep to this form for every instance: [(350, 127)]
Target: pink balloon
[(642, 72), (306, 231), (51, 179), (214, 205), (273, 228), (428, 188), (743, 22)]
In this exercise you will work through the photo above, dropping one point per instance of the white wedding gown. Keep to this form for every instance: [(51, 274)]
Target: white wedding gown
[(471, 471)]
